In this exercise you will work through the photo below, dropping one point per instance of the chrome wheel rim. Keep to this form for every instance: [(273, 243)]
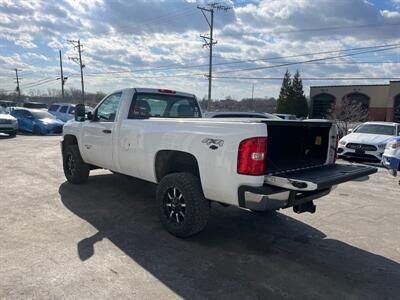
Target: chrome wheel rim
[(174, 205)]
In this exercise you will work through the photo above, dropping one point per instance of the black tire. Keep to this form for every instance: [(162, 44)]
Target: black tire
[(36, 130), (75, 169), (188, 212), (13, 134)]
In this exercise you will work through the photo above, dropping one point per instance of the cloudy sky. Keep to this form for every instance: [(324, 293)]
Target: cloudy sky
[(156, 43)]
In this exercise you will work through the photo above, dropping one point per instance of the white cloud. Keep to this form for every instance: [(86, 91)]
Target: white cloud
[(132, 35), (389, 14)]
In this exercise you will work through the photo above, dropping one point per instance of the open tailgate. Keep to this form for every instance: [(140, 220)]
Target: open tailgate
[(318, 178)]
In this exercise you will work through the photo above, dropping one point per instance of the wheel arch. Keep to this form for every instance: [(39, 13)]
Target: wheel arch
[(173, 161), (69, 139)]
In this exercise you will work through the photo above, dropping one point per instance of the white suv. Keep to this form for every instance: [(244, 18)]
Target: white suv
[(368, 140)]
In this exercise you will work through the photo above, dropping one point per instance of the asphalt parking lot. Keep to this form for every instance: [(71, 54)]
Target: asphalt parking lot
[(102, 240)]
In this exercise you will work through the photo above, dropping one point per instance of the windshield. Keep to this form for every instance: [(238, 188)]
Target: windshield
[(164, 106), (376, 129), (39, 114), (34, 105)]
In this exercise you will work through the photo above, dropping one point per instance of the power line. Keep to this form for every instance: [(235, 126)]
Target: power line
[(166, 68), (48, 80), (309, 54), (42, 82), (312, 29), (307, 78), (306, 61)]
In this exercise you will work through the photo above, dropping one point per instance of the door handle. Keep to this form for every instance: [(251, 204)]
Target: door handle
[(107, 131)]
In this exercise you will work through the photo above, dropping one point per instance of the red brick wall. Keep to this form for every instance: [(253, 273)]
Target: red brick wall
[(389, 114), (378, 114)]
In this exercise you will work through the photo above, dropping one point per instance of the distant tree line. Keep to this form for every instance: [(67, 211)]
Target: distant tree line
[(71, 95), (246, 104)]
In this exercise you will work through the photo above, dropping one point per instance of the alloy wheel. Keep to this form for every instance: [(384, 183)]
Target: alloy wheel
[(174, 205)]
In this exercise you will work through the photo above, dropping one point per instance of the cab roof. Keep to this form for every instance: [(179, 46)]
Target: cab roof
[(163, 92)]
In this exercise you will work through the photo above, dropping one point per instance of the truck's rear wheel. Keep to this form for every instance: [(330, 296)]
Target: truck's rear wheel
[(75, 169), (183, 210)]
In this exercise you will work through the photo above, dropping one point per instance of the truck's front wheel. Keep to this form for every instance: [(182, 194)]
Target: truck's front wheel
[(183, 210), (75, 169)]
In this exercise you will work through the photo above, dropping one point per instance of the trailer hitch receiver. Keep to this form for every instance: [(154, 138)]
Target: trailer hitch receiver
[(305, 207)]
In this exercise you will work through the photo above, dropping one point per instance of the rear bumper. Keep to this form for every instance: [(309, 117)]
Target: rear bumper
[(267, 198)]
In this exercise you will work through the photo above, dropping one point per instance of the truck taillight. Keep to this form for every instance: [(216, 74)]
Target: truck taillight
[(251, 156), (165, 91)]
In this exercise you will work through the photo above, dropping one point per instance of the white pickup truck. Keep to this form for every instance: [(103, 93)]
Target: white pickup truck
[(160, 136)]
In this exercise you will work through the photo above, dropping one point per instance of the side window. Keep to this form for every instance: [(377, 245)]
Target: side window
[(183, 109), (25, 114), (63, 109), (54, 107), (107, 110), (71, 110), (16, 113)]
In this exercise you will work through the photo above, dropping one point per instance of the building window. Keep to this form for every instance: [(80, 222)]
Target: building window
[(359, 98), (322, 104)]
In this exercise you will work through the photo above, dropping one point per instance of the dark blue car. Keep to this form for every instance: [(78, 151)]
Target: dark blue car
[(37, 121)]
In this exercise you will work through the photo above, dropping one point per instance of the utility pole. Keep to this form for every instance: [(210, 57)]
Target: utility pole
[(77, 45), (62, 78), (252, 96), (209, 40), (18, 88)]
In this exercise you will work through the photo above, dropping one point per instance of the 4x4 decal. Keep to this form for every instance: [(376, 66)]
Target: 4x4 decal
[(213, 143)]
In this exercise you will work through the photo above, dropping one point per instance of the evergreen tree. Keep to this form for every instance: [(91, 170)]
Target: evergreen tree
[(298, 101), (285, 94)]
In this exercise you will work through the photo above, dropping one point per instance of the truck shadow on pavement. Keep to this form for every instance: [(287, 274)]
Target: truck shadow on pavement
[(239, 254)]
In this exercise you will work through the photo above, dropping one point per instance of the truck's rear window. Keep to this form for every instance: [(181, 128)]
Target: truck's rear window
[(163, 106)]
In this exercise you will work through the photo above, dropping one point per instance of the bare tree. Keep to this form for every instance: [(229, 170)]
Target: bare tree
[(346, 112)]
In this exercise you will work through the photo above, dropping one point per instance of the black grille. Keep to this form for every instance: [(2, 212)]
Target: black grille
[(2, 121), (363, 147), (368, 157)]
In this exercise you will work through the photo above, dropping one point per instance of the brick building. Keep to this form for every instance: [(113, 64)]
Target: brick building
[(382, 100)]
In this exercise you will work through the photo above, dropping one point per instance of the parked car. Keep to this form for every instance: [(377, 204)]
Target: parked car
[(160, 136), (37, 121), (233, 114), (8, 124), (286, 116), (368, 140), (64, 111), (7, 103), (35, 105), (391, 156)]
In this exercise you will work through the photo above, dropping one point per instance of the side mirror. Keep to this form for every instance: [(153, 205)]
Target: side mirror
[(89, 116), (350, 130), (80, 113)]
